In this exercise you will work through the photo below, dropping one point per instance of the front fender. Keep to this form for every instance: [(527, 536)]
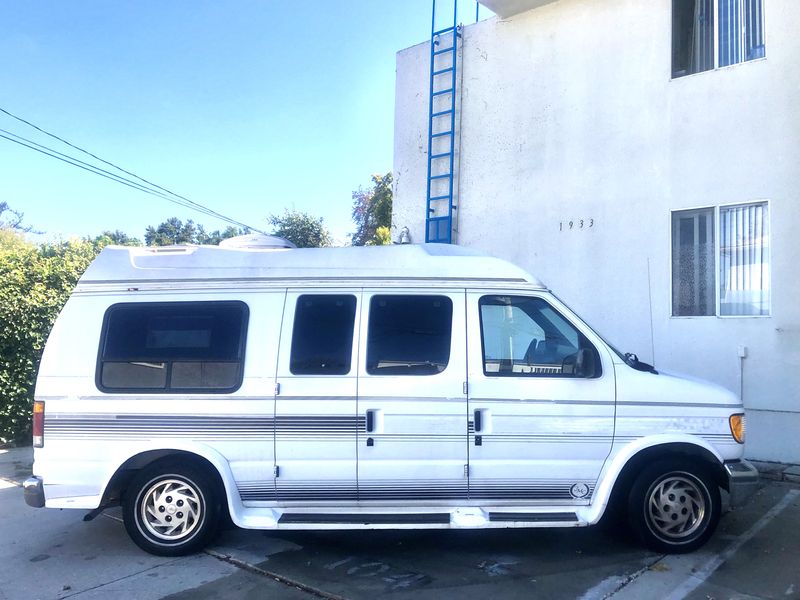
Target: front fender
[(621, 455)]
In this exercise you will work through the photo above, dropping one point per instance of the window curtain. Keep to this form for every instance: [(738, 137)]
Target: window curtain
[(730, 32), (744, 260), (741, 31), (693, 264), (753, 29), (701, 54)]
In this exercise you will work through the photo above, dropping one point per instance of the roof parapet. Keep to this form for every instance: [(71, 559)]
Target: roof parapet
[(509, 8)]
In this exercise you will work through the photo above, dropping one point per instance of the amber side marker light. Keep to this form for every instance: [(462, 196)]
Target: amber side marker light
[(38, 424), (737, 427)]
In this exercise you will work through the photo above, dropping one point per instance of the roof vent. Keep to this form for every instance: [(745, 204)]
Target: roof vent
[(257, 241)]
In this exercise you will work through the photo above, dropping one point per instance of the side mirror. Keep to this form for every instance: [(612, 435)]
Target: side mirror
[(585, 363)]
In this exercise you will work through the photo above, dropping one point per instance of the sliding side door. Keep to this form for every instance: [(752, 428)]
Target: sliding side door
[(413, 445), (315, 407)]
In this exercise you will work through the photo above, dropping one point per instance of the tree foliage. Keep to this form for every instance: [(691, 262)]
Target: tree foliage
[(12, 219), (300, 228), (372, 210), (174, 231), (117, 238), (35, 282)]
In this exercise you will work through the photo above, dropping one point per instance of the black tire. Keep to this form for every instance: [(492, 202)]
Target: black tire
[(674, 506), (171, 509)]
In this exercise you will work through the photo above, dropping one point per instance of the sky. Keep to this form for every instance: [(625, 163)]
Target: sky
[(248, 107)]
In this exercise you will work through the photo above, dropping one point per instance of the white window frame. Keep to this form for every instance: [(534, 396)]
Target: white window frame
[(717, 67), (716, 209)]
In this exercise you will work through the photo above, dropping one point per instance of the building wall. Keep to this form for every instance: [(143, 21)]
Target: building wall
[(568, 113)]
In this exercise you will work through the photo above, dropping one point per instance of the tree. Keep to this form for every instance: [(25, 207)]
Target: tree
[(215, 237), (170, 232), (300, 228), (372, 209), (174, 231), (12, 219), (117, 238), (35, 282)]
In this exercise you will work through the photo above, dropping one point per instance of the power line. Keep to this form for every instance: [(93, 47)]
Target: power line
[(111, 176), (78, 163), (163, 193), (91, 170), (99, 171)]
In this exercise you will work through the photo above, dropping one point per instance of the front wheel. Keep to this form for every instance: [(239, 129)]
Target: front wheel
[(674, 506), (171, 509)]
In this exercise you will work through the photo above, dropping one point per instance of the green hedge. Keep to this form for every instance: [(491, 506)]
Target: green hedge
[(35, 282)]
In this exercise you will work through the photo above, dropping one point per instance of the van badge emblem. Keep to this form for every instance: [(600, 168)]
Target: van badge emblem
[(579, 490)]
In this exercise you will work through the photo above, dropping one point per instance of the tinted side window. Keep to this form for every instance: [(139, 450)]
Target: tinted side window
[(322, 338), (409, 335), (175, 346), (527, 337)]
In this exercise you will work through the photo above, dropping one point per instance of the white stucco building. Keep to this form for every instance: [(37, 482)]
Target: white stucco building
[(642, 157)]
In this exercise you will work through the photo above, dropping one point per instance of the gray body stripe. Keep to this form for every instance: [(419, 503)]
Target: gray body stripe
[(681, 404), (543, 402), (481, 489)]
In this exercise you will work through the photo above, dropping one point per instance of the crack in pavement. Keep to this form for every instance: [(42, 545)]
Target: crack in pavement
[(634, 576), (246, 566), (123, 578)]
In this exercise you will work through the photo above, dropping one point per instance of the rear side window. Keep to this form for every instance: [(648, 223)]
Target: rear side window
[(322, 337), (409, 335), (173, 347)]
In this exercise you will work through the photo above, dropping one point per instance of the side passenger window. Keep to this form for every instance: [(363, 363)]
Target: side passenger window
[(173, 347), (526, 337), (409, 335), (322, 338)]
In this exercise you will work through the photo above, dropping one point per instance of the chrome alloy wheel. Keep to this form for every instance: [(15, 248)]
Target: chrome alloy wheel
[(171, 509), (676, 506)]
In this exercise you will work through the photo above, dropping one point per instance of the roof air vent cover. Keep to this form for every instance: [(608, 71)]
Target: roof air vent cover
[(257, 241)]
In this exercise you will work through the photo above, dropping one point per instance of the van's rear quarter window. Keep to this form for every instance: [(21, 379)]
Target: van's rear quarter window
[(172, 347)]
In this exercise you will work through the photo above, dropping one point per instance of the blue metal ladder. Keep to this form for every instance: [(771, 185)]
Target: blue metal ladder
[(442, 130)]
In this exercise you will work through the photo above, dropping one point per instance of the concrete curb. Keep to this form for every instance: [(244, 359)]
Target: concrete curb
[(778, 471)]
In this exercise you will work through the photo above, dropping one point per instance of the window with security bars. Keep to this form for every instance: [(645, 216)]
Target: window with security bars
[(715, 33), (721, 261)]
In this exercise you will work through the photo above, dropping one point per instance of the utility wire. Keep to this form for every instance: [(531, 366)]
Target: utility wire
[(52, 135), (188, 203), (91, 170), (100, 171), (81, 164)]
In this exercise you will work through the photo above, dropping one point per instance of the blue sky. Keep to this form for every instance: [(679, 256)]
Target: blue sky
[(247, 107)]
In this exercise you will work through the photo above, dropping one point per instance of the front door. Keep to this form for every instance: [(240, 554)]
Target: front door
[(541, 401), (411, 398), (315, 406)]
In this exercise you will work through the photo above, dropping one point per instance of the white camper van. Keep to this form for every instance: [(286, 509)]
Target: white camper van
[(424, 386)]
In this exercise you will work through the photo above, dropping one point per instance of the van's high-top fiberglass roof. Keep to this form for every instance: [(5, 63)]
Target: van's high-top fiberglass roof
[(118, 264)]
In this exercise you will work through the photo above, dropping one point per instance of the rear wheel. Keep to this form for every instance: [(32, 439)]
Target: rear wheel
[(171, 509), (674, 506)]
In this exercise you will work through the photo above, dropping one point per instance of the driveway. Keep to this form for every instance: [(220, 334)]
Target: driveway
[(54, 554)]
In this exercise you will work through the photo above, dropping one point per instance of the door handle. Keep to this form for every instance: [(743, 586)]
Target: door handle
[(370, 421), (370, 426), (478, 425)]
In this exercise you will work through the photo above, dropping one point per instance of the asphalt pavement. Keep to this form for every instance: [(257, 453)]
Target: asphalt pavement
[(52, 554)]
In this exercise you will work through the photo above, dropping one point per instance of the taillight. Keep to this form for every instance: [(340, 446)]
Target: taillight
[(737, 427), (38, 424)]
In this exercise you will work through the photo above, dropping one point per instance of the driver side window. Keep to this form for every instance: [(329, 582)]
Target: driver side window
[(525, 336)]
